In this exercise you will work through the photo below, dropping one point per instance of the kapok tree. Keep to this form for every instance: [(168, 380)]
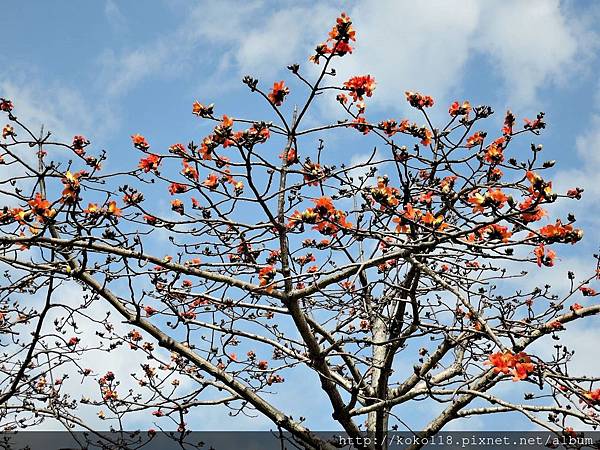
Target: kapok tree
[(392, 280)]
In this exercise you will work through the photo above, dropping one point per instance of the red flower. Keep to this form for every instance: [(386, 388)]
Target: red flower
[(495, 232), (150, 163), (8, 131), (177, 206), (502, 362), (531, 213), (265, 276), (112, 209), (342, 98), (6, 105), (588, 291), (177, 149), (494, 152), (493, 198), (92, 209), (417, 100), (176, 188), (522, 366), (575, 193), (278, 93), (425, 135), (457, 109), (544, 257), (476, 139), (536, 124), (360, 86), (435, 222), (389, 127), (150, 220), (360, 123), (594, 396), (189, 171), (313, 173), (561, 233), (140, 142), (509, 122), (341, 34), (342, 30), (211, 182), (290, 157), (200, 110), (41, 207), (519, 365), (79, 142), (263, 365)]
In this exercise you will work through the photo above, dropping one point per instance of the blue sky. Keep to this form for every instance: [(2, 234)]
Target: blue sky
[(109, 69)]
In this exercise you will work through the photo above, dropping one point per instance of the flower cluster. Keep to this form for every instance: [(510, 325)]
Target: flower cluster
[(110, 210), (518, 365), (140, 142), (410, 215), (531, 211), (494, 153), (327, 219), (224, 135), (419, 101), (314, 173), (41, 208), (79, 143), (536, 124), (360, 86), (491, 232), (6, 105), (476, 139), (558, 232), (341, 35), (493, 198), (458, 109), (152, 162), (383, 194), (72, 186), (200, 110), (7, 131), (509, 123)]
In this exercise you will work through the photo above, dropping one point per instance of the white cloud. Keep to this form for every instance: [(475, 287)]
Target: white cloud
[(405, 45), (584, 175), (113, 14), (531, 44), (420, 46), (428, 46)]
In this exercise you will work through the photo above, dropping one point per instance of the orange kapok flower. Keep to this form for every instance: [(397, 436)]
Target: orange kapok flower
[(360, 86), (475, 139), (417, 100), (265, 276), (150, 163), (543, 256), (278, 93), (201, 110), (458, 109), (112, 209), (519, 365), (140, 142), (211, 182)]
